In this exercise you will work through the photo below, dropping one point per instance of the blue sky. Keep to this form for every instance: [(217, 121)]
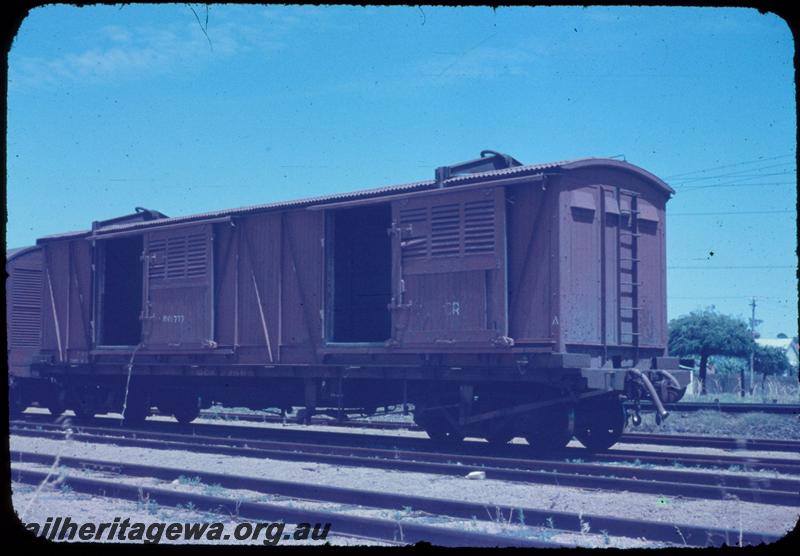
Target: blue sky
[(111, 108)]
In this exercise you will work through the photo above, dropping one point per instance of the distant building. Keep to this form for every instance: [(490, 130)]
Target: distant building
[(788, 345)]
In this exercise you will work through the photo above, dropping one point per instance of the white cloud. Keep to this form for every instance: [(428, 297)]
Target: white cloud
[(142, 51), (484, 62)]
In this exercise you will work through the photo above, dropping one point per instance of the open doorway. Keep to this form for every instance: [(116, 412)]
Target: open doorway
[(121, 292), (360, 262)]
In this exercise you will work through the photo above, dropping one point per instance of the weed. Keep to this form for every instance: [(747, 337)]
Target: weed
[(405, 512), (585, 528), (214, 490), (546, 535), (400, 532), (235, 514), (681, 534), (144, 503)]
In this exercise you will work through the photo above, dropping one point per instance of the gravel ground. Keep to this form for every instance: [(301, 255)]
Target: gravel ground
[(503, 524), (728, 514)]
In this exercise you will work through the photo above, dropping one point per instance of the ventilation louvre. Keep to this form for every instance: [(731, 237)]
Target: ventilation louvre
[(453, 229), (26, 316), (178, 257)]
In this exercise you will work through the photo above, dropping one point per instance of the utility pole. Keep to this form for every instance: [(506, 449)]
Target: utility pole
[(753, 345)]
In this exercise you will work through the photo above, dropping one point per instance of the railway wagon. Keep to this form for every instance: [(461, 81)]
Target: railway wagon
[(498, 299)]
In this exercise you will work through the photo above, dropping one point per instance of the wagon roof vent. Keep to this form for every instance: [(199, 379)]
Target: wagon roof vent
[(139, 215), (489, 160)]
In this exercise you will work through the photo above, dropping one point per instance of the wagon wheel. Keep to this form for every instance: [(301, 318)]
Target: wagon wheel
[(86, 401), (85, 408), (136, 411), (499, 437), (186, 412), (437, 423), (56, 403), (599, 423), (16, 401), (674, 394), (550, 432), (83, 412), (499, 432)]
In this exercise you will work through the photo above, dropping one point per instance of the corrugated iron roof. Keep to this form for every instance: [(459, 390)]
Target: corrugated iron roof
[(65, 235), (338, 197), (345, 196)]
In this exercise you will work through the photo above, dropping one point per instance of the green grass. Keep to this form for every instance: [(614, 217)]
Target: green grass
[(785, 397), (773, 390), (716, 423)]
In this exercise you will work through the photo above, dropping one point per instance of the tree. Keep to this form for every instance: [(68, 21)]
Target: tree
[(706, 333), (726, 365), (770, 361)]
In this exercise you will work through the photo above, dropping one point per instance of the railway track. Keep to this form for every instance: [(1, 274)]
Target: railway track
[(722, 442), (681, 534), (679, 407), (699, 441), (385, 530), (629, 438), (333, 437), (689, 407), (631, 478)]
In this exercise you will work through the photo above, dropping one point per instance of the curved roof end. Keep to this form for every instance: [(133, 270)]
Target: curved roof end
[(17, 252), (622, 165)]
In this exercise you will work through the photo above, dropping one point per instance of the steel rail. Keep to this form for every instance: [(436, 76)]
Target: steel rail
[(723, 442), (478, 448), (699, 441), (521, 451), (375, 528), (692, 535), (776, 408), (671, 459), (635, 471), (629, 438), (589, 476)]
